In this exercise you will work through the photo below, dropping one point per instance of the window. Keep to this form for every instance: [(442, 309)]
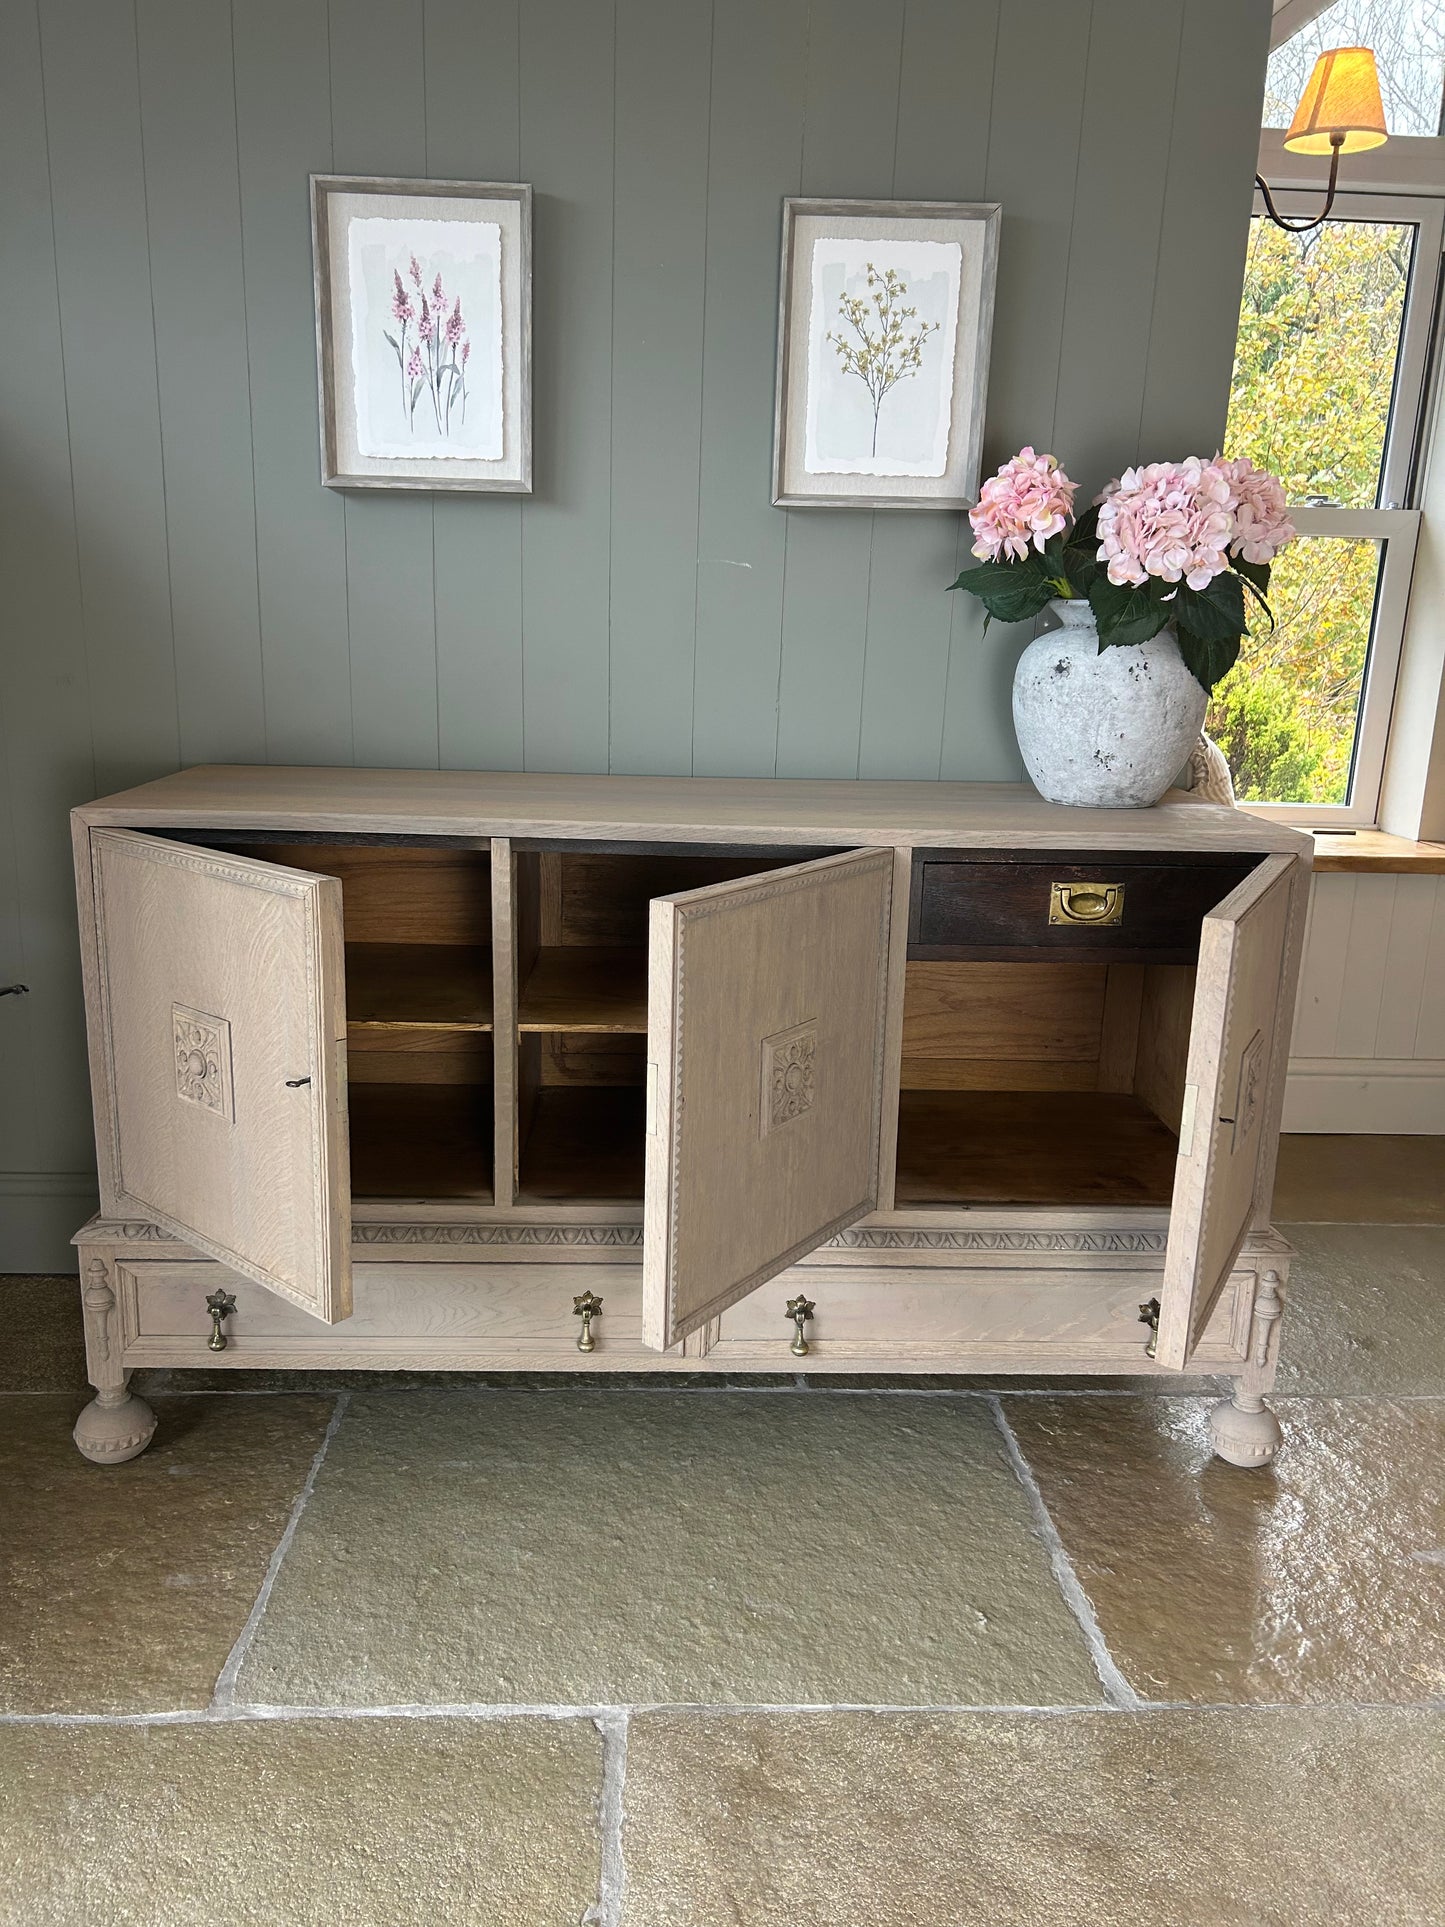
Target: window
[(1328, 391)]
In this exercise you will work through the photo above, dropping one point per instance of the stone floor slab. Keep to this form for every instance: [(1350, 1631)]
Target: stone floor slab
[(1221, 1819), (42, 1341), (1366, 1310), (699, 1547), (294, 1823), (1319, 1578), (123, 1588), (1361, 1180)]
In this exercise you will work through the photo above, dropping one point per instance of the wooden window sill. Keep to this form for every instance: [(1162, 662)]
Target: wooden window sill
[(1375, 850)]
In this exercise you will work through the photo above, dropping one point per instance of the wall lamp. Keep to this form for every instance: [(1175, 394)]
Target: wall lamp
[(1339, 112)]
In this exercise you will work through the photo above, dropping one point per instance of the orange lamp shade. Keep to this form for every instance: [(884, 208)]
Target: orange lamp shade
[(1340, 105)]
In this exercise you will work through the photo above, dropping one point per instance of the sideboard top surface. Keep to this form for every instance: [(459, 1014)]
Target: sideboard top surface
[(661, 809)]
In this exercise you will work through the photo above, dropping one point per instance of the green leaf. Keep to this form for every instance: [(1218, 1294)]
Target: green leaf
[(1081, 552), (1010, 591), (1125, 615), (392, 339), (1256, 574), (1213, 613), (1208, 660)]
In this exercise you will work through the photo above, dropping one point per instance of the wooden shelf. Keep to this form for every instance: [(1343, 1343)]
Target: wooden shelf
[(418, 986), (586, 1145), (578, 987), (1032, 1147), (421, 1141)]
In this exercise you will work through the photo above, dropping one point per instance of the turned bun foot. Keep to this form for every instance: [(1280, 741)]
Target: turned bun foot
[(1247, 1434), (111, 1434)]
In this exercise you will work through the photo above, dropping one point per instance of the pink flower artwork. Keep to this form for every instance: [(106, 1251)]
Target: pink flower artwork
[(434, 362)]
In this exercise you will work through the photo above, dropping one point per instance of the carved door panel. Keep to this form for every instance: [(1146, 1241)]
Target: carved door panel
[(222, 1026), (1224, 1134), (767, 1001)]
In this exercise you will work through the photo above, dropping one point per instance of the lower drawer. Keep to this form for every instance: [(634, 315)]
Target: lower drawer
[(437, 1317)]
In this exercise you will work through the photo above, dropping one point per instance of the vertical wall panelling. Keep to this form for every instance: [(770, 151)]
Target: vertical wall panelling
[(755, 158), (283, 118), (188, 127), (659, 255), (92, 104), (45, 726), (1109, 297), (944, 93), (567, 153), (1039, 69), (1213, 143), (1368, 1050), (473, 134), (378, 110), (1407, 961), (850, 133)]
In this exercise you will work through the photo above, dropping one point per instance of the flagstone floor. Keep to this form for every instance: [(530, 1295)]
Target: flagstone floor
[(792, 1654)]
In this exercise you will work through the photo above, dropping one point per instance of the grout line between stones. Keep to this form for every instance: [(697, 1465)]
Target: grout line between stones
[(616, 1718), (612, 1872), (225, 1690), (1117, 1689)]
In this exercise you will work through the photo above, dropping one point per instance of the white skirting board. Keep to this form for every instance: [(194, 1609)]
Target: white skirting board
[(39, 1214), (1369, 1095)]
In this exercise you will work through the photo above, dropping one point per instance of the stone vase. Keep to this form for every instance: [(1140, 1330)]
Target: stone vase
[(1104, 728)]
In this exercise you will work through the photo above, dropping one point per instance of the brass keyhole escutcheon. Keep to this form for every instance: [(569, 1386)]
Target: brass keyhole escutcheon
[(587, 1306), (220, 1304), (1086, 903), (800, 1310)]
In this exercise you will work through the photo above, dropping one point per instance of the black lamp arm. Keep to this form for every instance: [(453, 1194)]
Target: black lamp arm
[(1337, 142)]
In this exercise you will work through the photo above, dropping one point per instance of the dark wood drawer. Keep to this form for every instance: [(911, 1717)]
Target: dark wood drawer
[(1071, 908)]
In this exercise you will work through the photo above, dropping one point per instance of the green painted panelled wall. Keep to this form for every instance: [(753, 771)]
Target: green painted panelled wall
[(176, 585)]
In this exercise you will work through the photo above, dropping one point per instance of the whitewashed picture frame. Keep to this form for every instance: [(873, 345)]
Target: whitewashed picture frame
[(885, 312), (423, 333)]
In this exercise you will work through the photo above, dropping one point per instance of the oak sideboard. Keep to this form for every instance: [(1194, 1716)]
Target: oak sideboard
[(447, 1070)]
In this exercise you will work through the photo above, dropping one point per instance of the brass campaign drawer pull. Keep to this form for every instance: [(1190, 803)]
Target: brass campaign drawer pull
[(1086, 903)]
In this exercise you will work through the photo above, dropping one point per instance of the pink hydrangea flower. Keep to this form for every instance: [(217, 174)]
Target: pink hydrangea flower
[(1173, 520), (1261, 520), (1029, 500)]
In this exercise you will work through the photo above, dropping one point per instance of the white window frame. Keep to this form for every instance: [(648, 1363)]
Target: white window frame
[(1394, 520)]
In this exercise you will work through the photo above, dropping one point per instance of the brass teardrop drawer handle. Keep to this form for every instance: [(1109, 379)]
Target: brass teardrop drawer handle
[(586, 1306), (1086, 903), (800, 1310)]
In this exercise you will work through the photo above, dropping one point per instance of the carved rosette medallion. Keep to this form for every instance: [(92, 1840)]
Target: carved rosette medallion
[(203, 1059), (1251, 1089), (789, 1075)]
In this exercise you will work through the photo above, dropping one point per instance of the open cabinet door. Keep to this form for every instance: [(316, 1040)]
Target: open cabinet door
[(223, 1028), (766, 1010), (1224, 1129)]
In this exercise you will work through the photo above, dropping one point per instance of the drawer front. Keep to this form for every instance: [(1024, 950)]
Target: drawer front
[(1097, 907)]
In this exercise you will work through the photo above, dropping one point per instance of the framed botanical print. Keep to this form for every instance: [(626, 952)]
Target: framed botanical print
[(423, 333), (885, 312)]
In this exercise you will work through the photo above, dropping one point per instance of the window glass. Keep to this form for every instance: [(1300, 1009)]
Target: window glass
[(1314, 362), (1408, 38), (1285, 715)]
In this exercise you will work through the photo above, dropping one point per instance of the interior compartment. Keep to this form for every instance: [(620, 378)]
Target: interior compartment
[(418, 926), (581, 920), (1042, 1083)]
